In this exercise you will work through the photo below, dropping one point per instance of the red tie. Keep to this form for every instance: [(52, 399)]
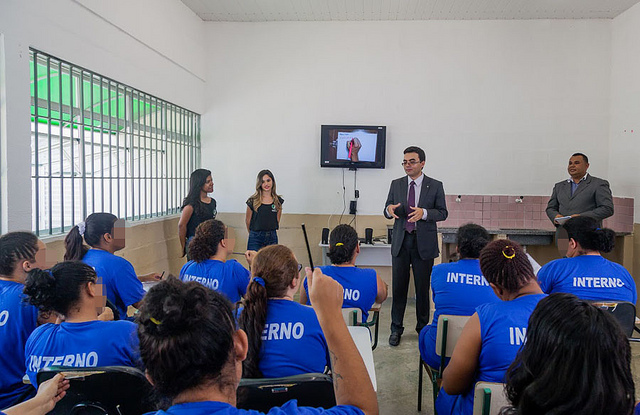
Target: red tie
[(411, 201)]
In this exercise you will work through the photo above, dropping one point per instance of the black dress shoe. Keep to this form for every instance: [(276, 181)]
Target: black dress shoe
[(394, 339)]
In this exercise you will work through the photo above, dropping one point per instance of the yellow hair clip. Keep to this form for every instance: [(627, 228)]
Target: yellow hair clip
[(156, 322), (508, 256), (339, 244)]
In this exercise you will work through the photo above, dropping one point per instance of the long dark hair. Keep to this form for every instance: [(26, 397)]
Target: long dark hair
[(472, 239), (277, 266), (197, 179), (505, 264), (342, 244), (95, 226), (186, 336), (589, 235), (59, 288), (204, 244), (576, 360), (14, 247)]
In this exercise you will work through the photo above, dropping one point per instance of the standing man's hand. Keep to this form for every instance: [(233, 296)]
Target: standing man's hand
[(391, 210), (416, 214)]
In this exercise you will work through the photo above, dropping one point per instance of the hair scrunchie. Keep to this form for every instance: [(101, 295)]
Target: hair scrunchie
[(259, 281), (82, 226)]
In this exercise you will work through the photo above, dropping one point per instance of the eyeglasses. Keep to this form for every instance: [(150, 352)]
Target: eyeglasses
[(299, 267), (411, 162)]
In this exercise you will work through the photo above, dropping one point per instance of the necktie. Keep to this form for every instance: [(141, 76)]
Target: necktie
[(411, 201)]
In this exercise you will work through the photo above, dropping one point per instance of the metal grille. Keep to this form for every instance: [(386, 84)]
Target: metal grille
[(98, 145)]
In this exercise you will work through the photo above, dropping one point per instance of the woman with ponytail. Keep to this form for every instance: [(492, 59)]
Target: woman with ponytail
[(105, 235), (20, 252), (209, 264), (585, 273), (285, 337), (493, 335), (363, 287), (73, 290)]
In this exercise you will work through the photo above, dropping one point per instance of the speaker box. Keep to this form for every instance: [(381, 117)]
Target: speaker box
[(368, 236), (325, 236)]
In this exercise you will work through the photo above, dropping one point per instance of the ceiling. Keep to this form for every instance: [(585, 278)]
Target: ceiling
[(354, 10)]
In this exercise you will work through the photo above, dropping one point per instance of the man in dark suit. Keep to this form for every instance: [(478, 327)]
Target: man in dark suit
[(581, 194), (416, 202)]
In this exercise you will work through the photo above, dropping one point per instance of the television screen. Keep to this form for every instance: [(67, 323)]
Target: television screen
[(353, 146)]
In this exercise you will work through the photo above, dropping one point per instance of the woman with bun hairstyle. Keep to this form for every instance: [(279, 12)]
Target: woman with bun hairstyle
[(494, 333), (576, 361), (193, 350), (362, 286), (20, 252), (458, 287), (264, 209), (285, 337), (196, 207), (585, 273), (73, 290), (209, 264), (105, 235)]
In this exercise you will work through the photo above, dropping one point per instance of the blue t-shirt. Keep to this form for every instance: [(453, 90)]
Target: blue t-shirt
[(360, 286), (228, 277), (222, 408), (86, 344), (503, 328), (17, 320), (292, 341), (589, 277), (118, 276), (458, 288)]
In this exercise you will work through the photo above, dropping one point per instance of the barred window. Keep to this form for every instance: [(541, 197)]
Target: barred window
[(98, 145)]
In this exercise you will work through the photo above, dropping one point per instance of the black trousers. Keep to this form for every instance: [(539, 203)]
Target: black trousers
[(408, 258)]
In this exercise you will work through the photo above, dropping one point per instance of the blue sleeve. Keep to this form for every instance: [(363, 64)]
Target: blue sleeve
[(543, 279), (128, 285), (242, 276), (306, 290), (184, 269), (291, 408)]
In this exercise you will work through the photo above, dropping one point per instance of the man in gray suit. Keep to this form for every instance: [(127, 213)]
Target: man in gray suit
[(416, 202), (580, 195)]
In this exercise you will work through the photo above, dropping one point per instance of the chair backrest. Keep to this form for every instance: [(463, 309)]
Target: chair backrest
[(112, 390), (624, 312), (310, 389), (489, 398), (452, 325), (362, 338)]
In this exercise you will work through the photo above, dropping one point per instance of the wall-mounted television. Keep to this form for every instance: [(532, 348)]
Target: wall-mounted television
[(353, 146)]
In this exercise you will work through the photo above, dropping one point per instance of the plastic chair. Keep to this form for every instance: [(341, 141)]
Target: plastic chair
[(310, 389), (489, 398), (108, 390), (449, 330), (353, 317), (624, 312)]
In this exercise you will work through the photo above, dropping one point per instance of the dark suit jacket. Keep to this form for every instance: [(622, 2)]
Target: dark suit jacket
[(592, 198), (431, 199)]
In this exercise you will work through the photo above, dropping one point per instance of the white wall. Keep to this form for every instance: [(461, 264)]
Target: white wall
[(153, 45), (624, 144), (499, 106)]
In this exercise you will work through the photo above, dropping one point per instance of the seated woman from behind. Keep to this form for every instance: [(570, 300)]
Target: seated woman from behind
[(209, 265), (193, 350), (285, 337), (457, 287), (362, 286), (494, 333), (72, 289), (576, 361), (585, 273)]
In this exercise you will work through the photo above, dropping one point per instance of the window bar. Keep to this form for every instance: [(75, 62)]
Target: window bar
[(139, 158), (83, 147), (50, 172), (36, 144), (93, 158), (101, 124), (72, 145), (118, 146), (165, 156), (175, 155), (144, 123), (61, 135), (157, 142), (131, 149), (110, 132)]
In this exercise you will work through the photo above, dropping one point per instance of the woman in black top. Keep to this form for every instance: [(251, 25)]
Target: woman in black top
[(197, 207), (264, 210)]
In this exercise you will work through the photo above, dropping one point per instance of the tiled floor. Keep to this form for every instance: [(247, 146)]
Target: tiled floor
[(397, 368)]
